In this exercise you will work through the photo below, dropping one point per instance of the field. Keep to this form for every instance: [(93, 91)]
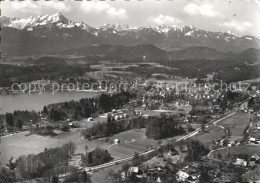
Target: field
[(214, 134), (20, 144), (140, 143), (256, 80), (84, 123), (102, 175), (237, 124), (243, 149)]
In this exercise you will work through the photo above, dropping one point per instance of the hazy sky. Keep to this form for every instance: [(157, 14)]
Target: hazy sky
[(239, 16)]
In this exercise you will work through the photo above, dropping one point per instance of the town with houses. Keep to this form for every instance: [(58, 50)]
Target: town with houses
[(199, 110), (172, 98)]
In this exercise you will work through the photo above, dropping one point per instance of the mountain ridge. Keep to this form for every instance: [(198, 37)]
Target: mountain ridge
[(153, 53), (55, 32)]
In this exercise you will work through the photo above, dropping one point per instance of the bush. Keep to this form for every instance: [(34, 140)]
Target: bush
[(96, 157), (65, 128)]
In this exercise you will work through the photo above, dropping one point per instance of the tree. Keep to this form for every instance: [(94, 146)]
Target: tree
[(9, 120), (19, 124), (96, 157), (228, 130), (55, 179), (125, 167), (203, 127), (225, 142), (204, 176), (137, 159), (190, 128), (73, 177), (88, 111), (8, 175), (251, 102), (90, 158), (33, 115), (223, 104), (84, 177), (45, 110), (71, 147), (86, 148)]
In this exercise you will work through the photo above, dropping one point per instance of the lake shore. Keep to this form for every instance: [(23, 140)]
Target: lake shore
[(36, 101)]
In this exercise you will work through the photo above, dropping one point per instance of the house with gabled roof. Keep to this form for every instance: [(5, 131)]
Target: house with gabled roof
[(255, 158)]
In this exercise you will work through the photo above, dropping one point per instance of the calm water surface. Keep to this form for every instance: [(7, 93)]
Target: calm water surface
[(36, 101)]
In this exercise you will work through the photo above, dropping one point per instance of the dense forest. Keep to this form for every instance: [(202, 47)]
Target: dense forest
[(225, 70), (10, 74), (112, 127), (16, 120), (87, 107), (52, 68), (163, 127), (156, 127)]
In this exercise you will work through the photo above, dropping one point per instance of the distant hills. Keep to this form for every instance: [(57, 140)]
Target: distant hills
[(55, 33), (120, 52), (152, 53)]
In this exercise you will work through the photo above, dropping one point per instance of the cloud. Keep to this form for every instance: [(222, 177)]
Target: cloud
[(233, 24), (94, 7), (40, 6), (247, 24), (205, 10), (103, 7), (240, 26), (165, 19), (119, 13)]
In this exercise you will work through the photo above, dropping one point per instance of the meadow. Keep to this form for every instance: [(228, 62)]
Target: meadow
[(207, 137), (237, 124), (139, 143), (21, 144)]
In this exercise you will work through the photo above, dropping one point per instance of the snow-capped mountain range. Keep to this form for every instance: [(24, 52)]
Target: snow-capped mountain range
[(42, 20), (56, 32)]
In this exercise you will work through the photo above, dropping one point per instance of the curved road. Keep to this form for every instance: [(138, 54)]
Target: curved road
[(116, 162)]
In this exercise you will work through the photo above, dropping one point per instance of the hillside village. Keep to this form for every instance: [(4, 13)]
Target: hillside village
[(193, 108), (175, 98)]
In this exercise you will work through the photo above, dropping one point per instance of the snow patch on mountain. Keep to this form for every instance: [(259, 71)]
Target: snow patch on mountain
[(117, 27)]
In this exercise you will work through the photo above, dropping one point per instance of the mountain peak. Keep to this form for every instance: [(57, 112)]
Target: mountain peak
[(59, 16), (56, 19)]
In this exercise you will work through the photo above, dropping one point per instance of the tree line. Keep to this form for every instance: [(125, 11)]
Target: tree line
[(18, 119), (47, 164), (96, 157), (87, 107), (112, 127), (163, 127), (156, 127), (73, 110)]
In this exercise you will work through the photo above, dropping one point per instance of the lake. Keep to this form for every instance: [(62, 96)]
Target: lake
[(36, 101)]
